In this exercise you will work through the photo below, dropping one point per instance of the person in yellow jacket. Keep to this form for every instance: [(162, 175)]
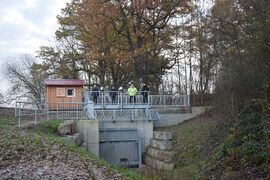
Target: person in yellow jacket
[(132, 90)]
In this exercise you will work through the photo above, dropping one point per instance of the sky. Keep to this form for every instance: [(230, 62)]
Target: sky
[(25, 25)]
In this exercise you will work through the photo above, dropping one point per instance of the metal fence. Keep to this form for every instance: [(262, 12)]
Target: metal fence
[(32, 113), (122, 98), (127, 115)]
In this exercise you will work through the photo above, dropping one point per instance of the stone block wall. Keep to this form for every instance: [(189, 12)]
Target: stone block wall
[(159, 154)]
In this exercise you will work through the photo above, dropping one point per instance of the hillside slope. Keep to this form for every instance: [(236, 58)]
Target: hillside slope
[(197, 144), (27, 154)]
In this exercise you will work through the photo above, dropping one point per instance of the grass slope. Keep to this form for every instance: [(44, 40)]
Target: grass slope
[(212, 147), (194, 144), (39, 153)]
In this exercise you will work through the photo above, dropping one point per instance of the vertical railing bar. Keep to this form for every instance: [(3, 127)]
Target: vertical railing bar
[(19, 114), (47, 112), (77, 110), (57, 110), (36, 116)]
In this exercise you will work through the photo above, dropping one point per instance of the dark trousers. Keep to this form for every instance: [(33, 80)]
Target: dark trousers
[(113, 99), (95, 99), (132, 97), (145, 99)]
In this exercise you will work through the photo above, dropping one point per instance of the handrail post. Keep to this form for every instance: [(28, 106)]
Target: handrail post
[(148, 99), (188, 98), (77, 110), (57, 110), (19, 113), (36, 116), (47, 112), (121, 99), (102, 99), (118, 98), (164, 101)]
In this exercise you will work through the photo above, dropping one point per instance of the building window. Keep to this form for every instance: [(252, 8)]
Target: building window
[(60, 92), (70, 92)]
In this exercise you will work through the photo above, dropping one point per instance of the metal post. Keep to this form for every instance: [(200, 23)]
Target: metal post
[(19, 113), (36, 116), (140, 152), (188, 100), (77, 110), (147, 112), (121, 100), (118, 98), (132, 115), (102, 100), (47, 112), (148, 100), (189, 106), (114, 117), (164, 100), (57, 111), (16, 109), (184, 100)]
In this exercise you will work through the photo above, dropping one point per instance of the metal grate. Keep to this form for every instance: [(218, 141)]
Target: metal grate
[(120, 146), (122, 115)]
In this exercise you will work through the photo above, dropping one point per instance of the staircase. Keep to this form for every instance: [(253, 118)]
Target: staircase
[(159, 154)]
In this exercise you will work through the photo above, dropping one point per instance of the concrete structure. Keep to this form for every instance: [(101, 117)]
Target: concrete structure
[(145, 129), (89, 133), (121, 146), (105, 115), (172, 117)]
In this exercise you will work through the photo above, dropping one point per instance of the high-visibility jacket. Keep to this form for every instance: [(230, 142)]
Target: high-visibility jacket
[(132, 91)]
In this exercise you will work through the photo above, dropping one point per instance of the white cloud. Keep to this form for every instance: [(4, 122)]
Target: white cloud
[(31, 3), (27, 30), (25, 25), (11, 16)]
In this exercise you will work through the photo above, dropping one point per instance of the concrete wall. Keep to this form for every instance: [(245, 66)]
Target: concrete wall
[(145, 129), (170, 119), (89, 133)]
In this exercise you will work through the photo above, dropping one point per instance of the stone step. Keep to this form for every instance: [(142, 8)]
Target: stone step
[(166, 136), (161, 145), (152, 162), (165, 156)]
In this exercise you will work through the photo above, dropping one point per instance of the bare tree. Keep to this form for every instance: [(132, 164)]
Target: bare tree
[(26, 77)]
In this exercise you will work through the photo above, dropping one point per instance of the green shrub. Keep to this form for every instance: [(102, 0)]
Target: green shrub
[(248, 140), (51, 126)]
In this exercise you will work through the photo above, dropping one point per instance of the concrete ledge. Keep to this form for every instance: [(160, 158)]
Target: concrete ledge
[(162, 145), (148, 160), (165, 156), (166, 136)]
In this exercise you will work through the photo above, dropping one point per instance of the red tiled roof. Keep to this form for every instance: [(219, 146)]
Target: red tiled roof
[(64, 82)]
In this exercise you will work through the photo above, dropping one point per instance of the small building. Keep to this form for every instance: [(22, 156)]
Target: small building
[(64, 93)]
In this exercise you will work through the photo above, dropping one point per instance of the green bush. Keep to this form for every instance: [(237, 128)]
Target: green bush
[(51, 126), (248, 140)]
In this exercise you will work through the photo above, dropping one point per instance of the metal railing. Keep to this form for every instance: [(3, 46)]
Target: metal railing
[(122, 98), (126, 115), (32, 113), (169, 100)]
